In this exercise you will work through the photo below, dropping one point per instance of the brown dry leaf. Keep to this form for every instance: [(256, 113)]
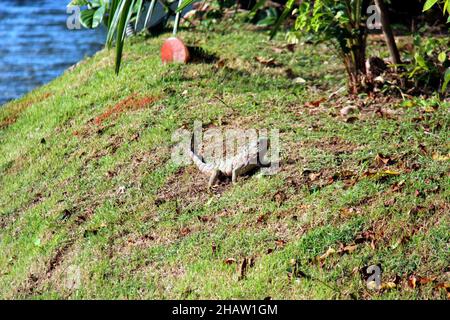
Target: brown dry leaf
[(366, 236), (277, 50), (185, 231), (313, 176), (261, 218), (246, 264), (388, 285), (315, 104), (382, 161), (230, 261), (280, 243), (221, 63), (423, 149), (348, 249), (347, 212), (203, 218), (445, 286), (438, 157), (352, 119), (279, 197), (242, 269), (291, 47), (270, 62), (412, 281), (426, 280), (329, 252), (398, 186)]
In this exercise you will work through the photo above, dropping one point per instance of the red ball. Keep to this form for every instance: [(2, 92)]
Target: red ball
[(174, 50)]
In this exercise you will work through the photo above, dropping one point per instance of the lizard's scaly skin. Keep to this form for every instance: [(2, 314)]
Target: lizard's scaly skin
[(243, 162)]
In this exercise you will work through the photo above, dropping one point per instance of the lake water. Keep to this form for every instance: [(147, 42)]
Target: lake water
[(36, 46)]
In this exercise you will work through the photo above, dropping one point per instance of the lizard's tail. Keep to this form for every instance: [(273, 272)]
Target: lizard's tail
[(197, 159)]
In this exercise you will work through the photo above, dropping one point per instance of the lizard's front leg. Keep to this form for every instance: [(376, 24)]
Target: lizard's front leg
[(234, 175), (213, 178)]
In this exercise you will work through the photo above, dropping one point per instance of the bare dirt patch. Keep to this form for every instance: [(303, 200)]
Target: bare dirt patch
[(16, 110), (188, 186), (133, 102)]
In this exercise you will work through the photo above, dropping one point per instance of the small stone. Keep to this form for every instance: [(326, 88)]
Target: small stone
[(348, 110), (174, 50), (299, 80)]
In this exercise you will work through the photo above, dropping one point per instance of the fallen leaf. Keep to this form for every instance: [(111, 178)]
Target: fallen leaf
[(313, 176), (348, 110), (185, 231), (382, 161), (290, 47), (426, 280), (277, 50), (347, 212), (270, 62), (352, 119), (412, 281), (280, 243), (230, 261), (391, 172), (299, 80), (243, 269), (438, 157), (388, 285), (315, 104), (390, 202), (348, 249), (372, 285), (398, 186), (329, 252)]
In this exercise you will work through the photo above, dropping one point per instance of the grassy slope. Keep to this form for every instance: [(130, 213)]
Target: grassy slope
[(103, 199)]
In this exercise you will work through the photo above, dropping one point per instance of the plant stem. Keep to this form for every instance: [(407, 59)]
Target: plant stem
[(177, 19), (388, 34)]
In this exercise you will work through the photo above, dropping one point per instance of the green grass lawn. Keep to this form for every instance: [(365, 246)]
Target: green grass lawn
[(88, 190)]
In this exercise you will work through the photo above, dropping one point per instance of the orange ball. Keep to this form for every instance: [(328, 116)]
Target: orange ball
[(174, 50)]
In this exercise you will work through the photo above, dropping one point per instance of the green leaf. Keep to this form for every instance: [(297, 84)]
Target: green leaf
[(139, 5), (287, 10), (114, 22), (78, 3), (125, 15), (87, 18), (112, 11), (259, 4), (429, 4), (184, 5), (446, 80), (98, 16), (421, 61), (442, 57)]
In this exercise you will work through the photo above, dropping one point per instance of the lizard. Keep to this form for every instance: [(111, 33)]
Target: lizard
[(246, 160)]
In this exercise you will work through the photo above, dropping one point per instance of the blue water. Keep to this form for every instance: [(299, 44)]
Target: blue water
[(36, 46)]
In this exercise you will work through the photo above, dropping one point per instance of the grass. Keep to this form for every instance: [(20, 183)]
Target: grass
[(91, 205)]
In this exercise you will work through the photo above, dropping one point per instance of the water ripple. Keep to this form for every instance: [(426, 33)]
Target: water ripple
[(36, 45)]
